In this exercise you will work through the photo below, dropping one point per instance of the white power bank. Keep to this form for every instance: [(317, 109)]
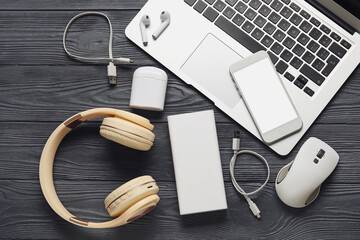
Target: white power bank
[(197, 164)]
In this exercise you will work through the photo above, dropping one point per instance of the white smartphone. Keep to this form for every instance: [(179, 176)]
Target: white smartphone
[(265, 96)]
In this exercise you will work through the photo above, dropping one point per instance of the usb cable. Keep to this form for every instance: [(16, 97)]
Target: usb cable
[(236, 147), (111, 68)]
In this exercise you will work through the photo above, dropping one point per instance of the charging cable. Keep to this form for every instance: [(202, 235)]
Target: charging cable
[(236, 147), (111, 68)]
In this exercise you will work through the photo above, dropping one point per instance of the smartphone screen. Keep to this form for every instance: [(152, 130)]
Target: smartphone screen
[(266, 97)]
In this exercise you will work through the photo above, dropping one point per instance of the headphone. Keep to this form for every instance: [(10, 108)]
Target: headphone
[(128, 202)]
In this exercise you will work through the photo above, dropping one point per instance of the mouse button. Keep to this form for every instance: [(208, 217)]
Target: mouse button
[(313, 196), (283, 172), (321, 153)]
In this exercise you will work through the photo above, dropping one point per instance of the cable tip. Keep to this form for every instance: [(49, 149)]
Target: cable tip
[(258, 216), (237, 134), (131, 61)]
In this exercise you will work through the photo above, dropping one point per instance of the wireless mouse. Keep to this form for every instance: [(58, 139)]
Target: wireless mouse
[(298, 183)]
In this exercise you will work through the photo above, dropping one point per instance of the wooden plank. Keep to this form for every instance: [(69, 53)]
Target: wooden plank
[(71, 5), (35, 38), (25, 214), (86, 155), (53, 93)]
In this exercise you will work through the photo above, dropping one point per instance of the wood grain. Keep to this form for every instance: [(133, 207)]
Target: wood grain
[(24, 209)]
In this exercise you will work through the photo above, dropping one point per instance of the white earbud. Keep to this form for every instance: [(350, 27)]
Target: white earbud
[(144, 23), (165, 18)]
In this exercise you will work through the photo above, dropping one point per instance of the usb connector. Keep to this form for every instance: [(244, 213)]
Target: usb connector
[(111, 73)]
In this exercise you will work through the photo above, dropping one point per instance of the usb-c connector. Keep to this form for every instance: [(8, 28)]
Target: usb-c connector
[(111, 73)]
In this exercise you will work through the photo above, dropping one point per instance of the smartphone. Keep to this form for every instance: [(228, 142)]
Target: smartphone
[(265, 96)]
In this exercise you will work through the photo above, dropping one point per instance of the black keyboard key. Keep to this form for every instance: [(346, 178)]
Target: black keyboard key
[(238, 19), (325, 41), (273, 58), (190, 2), (250, 14), (325, 29), (260, 21), (315, 34), (308, 57), (239, 35), (305, 14), (219, 5), (284, 25), (211, 14), (257, 34), (289, 76), (298, 50), (276, 5), (286, 55), (229, 12), (299, 84), (286, 12), (337, 50), (276, 48), (279, 35), (318, 64), (231, 2), (274, 17), (281, 67), (240, 7), (248, 26), (312, 74), (295, 7), (345, 44), (264, 10), (305, 26), (210, 1), (255, 4), (286, 1), (246, 1), (323, 53), (315, 21), (267, 41), (296, 19), (200, 6), (302, 79), (288, 42), (269, 28), (267, 1), (296, 62), (293, 31), (303, 39), (335, 36), (308, 91), (313, 46), (331, 64)]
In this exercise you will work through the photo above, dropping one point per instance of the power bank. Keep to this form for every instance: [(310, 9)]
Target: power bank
[(197, 164)]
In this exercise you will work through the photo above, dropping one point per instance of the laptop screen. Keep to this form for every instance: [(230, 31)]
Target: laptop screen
[(347, 10)]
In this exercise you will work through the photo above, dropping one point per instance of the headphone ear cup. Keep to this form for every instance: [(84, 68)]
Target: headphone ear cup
[(127, 133), (130, 193)]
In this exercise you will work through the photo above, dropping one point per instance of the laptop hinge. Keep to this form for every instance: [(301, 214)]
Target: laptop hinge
[(332, 16)]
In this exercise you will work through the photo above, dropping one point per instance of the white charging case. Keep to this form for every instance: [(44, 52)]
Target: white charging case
[(148, 89)]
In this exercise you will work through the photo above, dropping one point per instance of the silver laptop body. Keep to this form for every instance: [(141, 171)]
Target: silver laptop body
[(200, 52)]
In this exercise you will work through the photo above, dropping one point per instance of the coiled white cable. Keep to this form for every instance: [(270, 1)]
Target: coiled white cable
[(111, 59), (236, 146)]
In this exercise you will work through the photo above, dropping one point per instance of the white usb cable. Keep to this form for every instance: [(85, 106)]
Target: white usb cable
[(111, 68), (236, 147)]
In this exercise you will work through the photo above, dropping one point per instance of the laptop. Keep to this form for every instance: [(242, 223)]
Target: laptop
[(314, 44)]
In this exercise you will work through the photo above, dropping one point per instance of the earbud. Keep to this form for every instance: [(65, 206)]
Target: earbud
[(165, 18), (144, 23)]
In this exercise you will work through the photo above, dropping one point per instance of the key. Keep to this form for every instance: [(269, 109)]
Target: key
[(241, 7), (200, 6), (331, 64), (279, 35), (289, 76), (337, 50), (267, 41), (325, 29), (250, 14), (248, 26), (255, 4), (312, 74), (210, 14), (296, 62), (260, 21), (269, 28), (295, 7), (264, 10), (190, 2), (298, 50), (345, 44), (274, 17), (313, 46), (284, 25), (308, 91), (286, 55), (303, 39), (239, 35), (238, 19), (335, 36), (289, 43), (295, 19), (276, 5), (293, 32), (322, 53), (318, 64), (305, 14), (231, 2), (325, 41), (308, 57), (286, 12), (305, 26), (219, 5), (276, 48), (315, 21), (229, 12), (315, 34), (281, 67), (257, 33), (273, 57)]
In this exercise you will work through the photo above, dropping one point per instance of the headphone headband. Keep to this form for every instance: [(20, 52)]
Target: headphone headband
[(48, 156)]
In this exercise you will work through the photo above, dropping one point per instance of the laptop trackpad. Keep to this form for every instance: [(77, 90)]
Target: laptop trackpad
[(209, 66)]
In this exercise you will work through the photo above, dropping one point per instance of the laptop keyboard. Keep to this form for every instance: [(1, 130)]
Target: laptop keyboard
[(289, 34)]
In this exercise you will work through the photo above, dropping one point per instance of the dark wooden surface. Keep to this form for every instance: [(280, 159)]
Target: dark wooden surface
[(40, 86)]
